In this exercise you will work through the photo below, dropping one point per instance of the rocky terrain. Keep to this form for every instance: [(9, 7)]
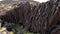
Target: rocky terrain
[(43, 18)]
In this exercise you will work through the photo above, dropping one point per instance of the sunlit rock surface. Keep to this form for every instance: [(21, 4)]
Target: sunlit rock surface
[(4, 8)]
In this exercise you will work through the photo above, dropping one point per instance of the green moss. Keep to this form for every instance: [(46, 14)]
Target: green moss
[(22, 30)]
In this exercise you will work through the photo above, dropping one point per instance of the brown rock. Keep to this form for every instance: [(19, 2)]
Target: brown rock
[(42, 18)]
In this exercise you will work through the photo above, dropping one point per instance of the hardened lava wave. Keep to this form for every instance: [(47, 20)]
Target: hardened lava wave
[(43, 18)]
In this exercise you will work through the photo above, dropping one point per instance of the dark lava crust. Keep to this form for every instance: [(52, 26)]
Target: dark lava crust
[(43, 18)]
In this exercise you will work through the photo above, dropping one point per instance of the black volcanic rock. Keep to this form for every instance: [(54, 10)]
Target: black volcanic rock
[(42, 18)]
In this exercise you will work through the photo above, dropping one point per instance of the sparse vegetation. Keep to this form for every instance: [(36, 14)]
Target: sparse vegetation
[(18, 29)]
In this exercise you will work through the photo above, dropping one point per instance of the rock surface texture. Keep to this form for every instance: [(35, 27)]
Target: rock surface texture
[(43, 18)]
